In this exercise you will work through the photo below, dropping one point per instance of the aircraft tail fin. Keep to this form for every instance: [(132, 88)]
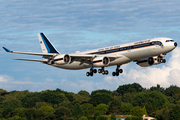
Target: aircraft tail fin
[(46, 45)]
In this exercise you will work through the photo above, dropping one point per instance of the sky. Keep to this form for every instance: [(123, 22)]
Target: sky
[(80, 25)]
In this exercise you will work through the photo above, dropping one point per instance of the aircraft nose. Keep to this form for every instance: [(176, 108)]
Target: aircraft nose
[(175, 44)]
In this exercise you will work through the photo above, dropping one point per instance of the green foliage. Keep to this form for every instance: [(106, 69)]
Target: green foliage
[(83, 118), (126, 107), (40, 104), (133, 118), (18, 112), (30, 113), (100, 91), (84, 93), (29, 100), (53, 97), (99, 98), (128, 97), (175, 113), (47, 109), (124, 88), (101, 118), (172, 90), (152, 100), (115, 107), (62, 112), (113, 117), (80, 98), (138, 111), (77, 111), (43, 114), (88, 109), (101, 108), (9, 105), (96, 115)]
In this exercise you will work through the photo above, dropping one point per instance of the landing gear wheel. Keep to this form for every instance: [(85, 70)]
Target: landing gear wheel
[(95, 71), (99, 71), (87, 74), (91, 74), (113, 74), (117, 74), (106, 72), (120, 70), (164, 60)]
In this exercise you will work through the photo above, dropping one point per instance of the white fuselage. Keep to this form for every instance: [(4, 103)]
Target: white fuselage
[(126, 52)]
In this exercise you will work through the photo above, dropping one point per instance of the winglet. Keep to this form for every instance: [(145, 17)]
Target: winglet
[(7, 50)]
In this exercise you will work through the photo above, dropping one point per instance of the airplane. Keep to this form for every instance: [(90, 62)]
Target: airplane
[(145, 53)]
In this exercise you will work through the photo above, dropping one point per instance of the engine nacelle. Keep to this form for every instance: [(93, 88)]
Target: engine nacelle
[(62, 59), (146, 62), (101, 61)]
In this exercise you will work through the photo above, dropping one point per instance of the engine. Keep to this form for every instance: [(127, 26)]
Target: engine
[(146, 62), (151, 61), (101, 61), (62, 59)]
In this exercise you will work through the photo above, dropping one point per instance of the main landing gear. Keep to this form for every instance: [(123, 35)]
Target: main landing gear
[(116, 73), (104, 72), (92, 71)]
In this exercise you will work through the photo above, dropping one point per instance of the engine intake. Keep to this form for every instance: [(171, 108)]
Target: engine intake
[(101, 61), (146, 62), (62, 59)]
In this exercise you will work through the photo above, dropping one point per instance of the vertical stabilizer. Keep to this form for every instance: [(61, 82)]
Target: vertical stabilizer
[(46, 45)]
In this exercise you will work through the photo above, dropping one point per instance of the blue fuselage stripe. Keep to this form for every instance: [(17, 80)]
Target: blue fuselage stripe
[(124, 48)]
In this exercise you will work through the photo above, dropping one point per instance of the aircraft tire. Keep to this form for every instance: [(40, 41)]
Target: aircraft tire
[(87, 74), (113, 73), (121, 71)]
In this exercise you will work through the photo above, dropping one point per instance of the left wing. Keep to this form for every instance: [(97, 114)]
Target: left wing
[(45, 55)]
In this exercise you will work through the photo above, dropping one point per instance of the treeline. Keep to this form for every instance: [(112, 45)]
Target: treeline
[(129, 99)]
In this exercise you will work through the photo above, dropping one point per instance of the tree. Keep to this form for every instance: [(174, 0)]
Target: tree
[(40, 104), (77, 111), (113, 117), (83, 118), (115, 107), (172, 90), (18, 112), (175, 113), (30, 113), (96, 115), (30, 99), (101, 118), (9, 105), (53, 97), (124, 88), (84, 93), (152, 100), (47, 109), (99, 98), (100, 91), (88, 109), (63, 112), (138, 111), (102, 108), (44, 113), (128, 97), (126, 107)]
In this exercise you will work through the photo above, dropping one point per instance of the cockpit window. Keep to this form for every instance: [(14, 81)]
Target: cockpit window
[(157, 43), (169, 40)]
